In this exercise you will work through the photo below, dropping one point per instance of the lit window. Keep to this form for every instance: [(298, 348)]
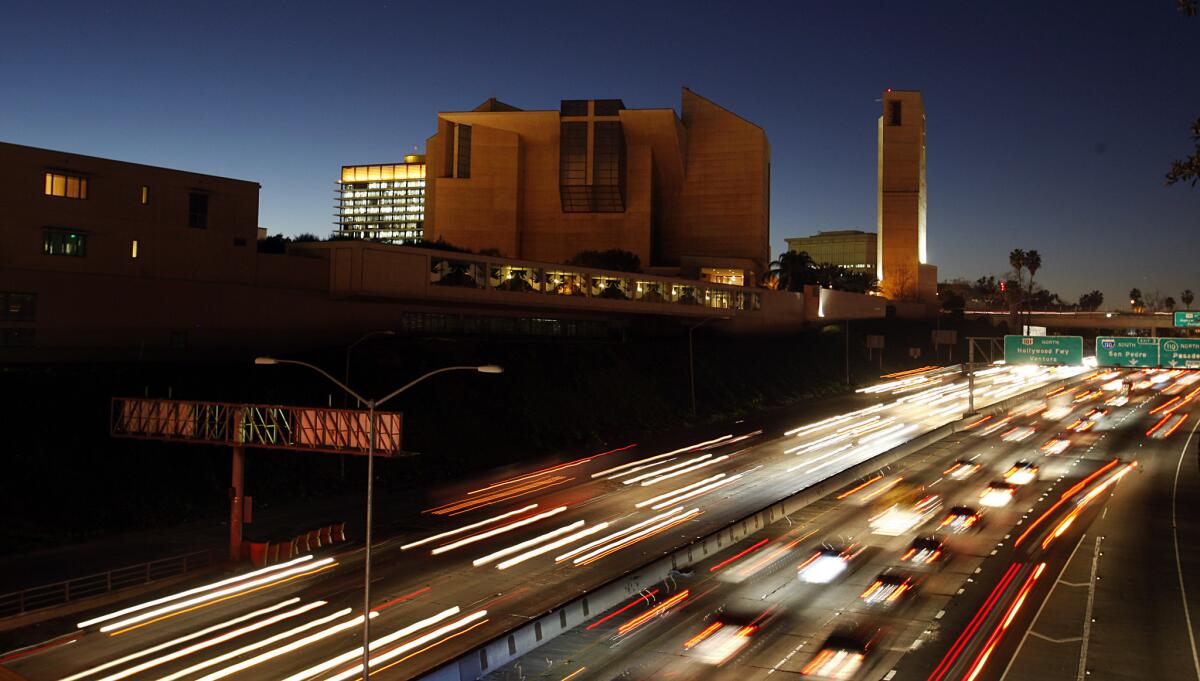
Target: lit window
[(145, 195), (67, 186), (17, 307), (64, 242), (133, 249)]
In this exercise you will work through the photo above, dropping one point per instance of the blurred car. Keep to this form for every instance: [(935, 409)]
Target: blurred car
[(924, 551), (826, 564), (962, 469), (889, 590), (1055, 445), (1057, 412), (1018, 434), (1081, 425), (960, 519), (840, 657), (1117, 400), (1022, 472), (725, 636), (898, 519), (1094, 414), (997, 494)]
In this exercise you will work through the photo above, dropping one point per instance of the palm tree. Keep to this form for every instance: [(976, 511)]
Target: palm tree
[(1033, 263), (791, 270), (1135, 299), (1187, 298), (1169, 303), (1016, 258)]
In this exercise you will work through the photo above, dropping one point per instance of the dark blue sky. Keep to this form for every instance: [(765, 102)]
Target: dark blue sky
[(1050, 125)]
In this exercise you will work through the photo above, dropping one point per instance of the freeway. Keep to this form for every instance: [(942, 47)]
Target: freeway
[(753, 611), (497, 554)]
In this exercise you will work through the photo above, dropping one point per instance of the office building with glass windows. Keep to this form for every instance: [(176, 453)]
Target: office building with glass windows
[(688, 193), (383, 202), (850, 248)]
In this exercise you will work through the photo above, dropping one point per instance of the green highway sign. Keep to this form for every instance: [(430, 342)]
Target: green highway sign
[(1043, 350), (1179, 353), (1126, 351), (1187, 318)]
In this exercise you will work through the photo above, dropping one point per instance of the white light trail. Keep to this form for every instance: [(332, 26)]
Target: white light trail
[(176, 641), (240, 587), (381, 641), (465, 528), (288, 647), (516, 548), (620, 533), (547, 548), (661, 456), (629, 539), (499, 530), (405, 647), (683, 471), (680, 490), (189, 592), (681, 464), (697, 492)]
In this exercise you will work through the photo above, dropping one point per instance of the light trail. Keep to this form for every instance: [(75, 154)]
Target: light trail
[(684, 471), (696, 492), (652, 612), (634, 538), (586, 532), (662, 456), (761, 543), (306, 567), (681, 490), (473, 503), (189, 592), (176, 641), (856, 488), (405, 647), (619, 533), (673, 467), (516, 548), (495, 531), (640, 599), (256, 645), (466, 528), (286, 648), (381, 641)]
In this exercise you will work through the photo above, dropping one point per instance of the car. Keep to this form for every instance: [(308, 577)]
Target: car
[(924, 551), (898, 519), (962, 469), (997, 494), (1081, 425), (840, 656), (725, 636), (1022, 472), (1095, 414), (889, 590), (1055, 445), (826, 564), (960, 519), (1018, 434), (1117, 400), (1057, 412)]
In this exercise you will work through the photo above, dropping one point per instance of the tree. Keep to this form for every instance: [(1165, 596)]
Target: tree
[(612, 259), (306, 237), (1016, 258), (1135, 299), (1187, 298), (1033, 263), (791, 271), (1090, 302), (1168, 304)]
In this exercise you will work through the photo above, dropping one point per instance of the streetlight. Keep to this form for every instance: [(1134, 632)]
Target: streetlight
[(346, 380), (371, 406)]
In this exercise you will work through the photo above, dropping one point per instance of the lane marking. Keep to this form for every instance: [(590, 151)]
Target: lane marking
[(1012, 660), (1178, 564), (1087, 612)]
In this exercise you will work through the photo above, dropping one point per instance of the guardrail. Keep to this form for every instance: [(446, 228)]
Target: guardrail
[(58, 593)]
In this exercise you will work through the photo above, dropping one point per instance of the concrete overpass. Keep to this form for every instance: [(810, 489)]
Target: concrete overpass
[(1083, 320)]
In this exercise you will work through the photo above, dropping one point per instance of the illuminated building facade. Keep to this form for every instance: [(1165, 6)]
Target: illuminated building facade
[(689, 194), (851, 248), (383, 202), (903, 269)]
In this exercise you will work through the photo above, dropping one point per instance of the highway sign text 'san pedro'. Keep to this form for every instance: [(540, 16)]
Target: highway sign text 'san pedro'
[(1043, 350), (1126, 351)]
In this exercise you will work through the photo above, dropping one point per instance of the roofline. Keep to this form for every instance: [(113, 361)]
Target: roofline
[(388, 163), (722, 108), (130, 163)]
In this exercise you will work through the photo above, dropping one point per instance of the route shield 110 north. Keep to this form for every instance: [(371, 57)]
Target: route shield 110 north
[(1126, 351), (1180, 353), (1043, 350)]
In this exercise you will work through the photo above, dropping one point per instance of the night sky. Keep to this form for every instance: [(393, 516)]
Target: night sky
[(1050, 125)]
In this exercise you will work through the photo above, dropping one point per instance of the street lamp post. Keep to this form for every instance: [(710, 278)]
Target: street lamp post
[(372, 405), (346, 381)]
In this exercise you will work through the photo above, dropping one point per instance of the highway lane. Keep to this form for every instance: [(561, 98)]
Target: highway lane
[(796, 617), (416, 587)]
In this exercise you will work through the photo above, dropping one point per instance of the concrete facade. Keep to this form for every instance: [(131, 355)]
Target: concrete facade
[(694, 188), (904, 272), (851, 248)]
